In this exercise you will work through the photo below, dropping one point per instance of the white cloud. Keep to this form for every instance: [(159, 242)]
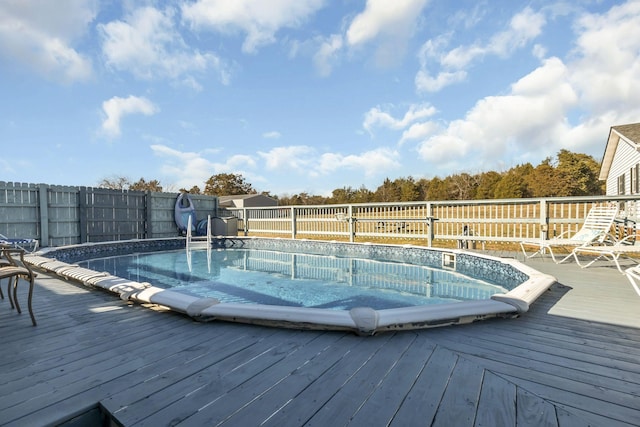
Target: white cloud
[(297, 157), (240, 161), (272, 135), (607, 68), (148, 45), (306, 161), (468, 18), (372, 163), (41, 36), (116, 108), (530, 120), (523, 27), (598, 86), (377, 117), (539, 51), (185, 168), (426, 83), (389, 23), (259, 20), (382, 17), (328, 54), (543, 80), (419, 131), (189, 168)]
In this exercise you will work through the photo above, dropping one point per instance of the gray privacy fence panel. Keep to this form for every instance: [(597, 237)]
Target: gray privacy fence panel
[(19, 210), (160, 215), (61, 226), (107, 215), (205, 205), (64, 215)]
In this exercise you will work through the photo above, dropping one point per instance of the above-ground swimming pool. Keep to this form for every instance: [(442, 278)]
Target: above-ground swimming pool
[(274, 277), (366, 288)]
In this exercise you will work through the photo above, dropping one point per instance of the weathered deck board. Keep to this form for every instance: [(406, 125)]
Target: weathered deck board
[(427, 391), (222, 406), (533, 411), (460, 400), (497, 403), (228, 387), (211, 376), (384, 402), (567, 362), (107, 354), (588, 390), (348, 399), (322, 389), (183, 362), (283, 393), (575, 365)]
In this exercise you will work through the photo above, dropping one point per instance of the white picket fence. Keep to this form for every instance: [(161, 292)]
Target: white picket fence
[(458, 222)]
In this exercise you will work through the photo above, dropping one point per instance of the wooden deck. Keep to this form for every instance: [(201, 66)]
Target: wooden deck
[(573, 360)]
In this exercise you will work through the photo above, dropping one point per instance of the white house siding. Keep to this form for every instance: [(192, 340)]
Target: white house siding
[(626, 157)]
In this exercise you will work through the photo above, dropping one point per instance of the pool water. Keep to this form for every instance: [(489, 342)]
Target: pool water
[(269, 277)]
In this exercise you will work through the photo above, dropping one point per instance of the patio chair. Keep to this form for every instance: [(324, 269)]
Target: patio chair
[(633, 274), (595, 229), (16, 269), (32, 244), (4, 262)]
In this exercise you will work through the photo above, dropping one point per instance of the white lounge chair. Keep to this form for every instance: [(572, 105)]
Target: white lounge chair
[(32, 244), (623, 248), (595, 229), (633, 274)]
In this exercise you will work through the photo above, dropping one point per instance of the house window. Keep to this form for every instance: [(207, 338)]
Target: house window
[(621, 181), (634, 180)]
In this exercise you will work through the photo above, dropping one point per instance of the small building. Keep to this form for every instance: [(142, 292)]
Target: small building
[(621, 162), (246, 201)]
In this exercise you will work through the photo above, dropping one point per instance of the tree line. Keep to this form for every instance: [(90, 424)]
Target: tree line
[(568, 174)]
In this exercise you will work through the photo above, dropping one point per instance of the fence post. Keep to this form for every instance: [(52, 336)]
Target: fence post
[(352, 225), (293, 222), (430, 225), (245, 222), (43, 201), (544, 220), (82, 213), (148, 223)]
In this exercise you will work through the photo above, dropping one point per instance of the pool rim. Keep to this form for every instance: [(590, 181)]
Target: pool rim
[(361, 320)]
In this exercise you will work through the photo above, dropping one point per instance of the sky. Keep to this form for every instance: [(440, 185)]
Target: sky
[(308, 96)]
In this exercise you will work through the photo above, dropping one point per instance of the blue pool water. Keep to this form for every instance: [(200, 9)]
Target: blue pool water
[(272, 277)]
